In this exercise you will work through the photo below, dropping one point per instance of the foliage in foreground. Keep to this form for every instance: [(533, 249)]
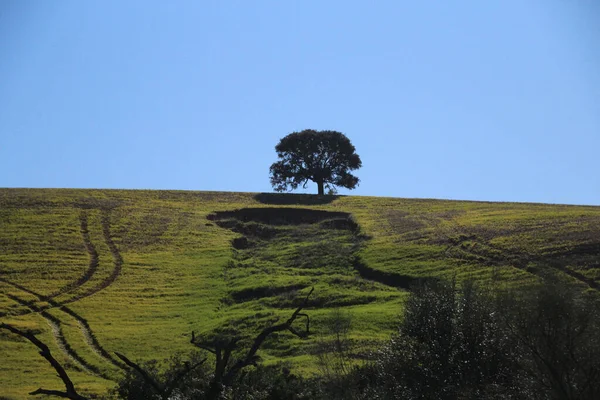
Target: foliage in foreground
[(454, 342)]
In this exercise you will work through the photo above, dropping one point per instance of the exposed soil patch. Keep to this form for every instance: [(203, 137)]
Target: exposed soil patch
[(390, 278), (340, 223), (278, 216), (253, 229)]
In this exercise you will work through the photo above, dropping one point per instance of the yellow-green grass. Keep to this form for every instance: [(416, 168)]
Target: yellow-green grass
[(164, 269)]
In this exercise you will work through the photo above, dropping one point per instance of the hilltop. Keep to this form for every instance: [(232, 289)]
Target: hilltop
[(98, 271)]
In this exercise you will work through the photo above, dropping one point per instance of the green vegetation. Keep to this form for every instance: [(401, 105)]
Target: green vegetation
[(98, 271), (455, 341)]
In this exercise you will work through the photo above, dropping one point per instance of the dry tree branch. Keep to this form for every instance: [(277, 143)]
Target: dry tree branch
[(155, 385), (70, 393), (223, 349), (180, 375), (250, 358), (165, 390)]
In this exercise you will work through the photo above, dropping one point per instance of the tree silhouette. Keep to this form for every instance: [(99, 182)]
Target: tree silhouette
[(324, 157)]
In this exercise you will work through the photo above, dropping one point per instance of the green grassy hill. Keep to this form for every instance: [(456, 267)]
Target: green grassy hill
[(98, 271)]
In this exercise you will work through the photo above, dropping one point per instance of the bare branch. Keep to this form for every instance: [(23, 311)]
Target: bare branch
[(210, 347), (163, 390), (180, 375), (307, 321), (158, 387), (250, 358), (70, 393), (205, 347)]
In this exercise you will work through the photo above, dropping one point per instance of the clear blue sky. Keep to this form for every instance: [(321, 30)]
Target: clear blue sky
[(484, 100)]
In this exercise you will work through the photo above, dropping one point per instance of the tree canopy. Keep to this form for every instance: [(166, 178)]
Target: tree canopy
[(324, 157)]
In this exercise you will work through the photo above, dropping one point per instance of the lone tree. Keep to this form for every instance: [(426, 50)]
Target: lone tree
[(324, 157)]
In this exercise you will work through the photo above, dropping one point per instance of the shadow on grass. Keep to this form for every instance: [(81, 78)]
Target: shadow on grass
[(296, 199), (284, 216), (392, 279)]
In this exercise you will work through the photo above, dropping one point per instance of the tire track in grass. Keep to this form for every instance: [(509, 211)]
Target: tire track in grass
[(93, 263), (117, 263), (518, 260), (84, 325), (31, 306), (85, 328), (91, 339), (87, 275), (59, 337)]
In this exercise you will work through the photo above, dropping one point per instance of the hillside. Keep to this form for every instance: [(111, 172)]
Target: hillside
[(98, 271)]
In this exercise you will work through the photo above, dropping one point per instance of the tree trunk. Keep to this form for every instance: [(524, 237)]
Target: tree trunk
[(214, 391), (321, 188)]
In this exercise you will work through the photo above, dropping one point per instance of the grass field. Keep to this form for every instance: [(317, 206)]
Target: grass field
[(98, 271)]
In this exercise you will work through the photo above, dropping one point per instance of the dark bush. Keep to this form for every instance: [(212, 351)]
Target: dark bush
[(556, 332), (449, 345)]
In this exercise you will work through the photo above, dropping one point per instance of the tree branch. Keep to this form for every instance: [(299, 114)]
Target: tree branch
[(223, 349), (166, 390), (157, 387), (180, 375), (203, 345), (250, 358), (70, 393)]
